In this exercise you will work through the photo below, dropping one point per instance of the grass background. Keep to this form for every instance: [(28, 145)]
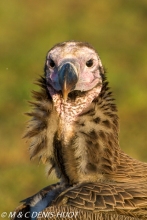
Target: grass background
[(118, 31)]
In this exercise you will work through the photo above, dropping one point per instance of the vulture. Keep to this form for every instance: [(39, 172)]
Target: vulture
[(73, 128)]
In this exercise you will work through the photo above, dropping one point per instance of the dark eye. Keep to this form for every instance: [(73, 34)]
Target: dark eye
[(51, 63), (89, 63)]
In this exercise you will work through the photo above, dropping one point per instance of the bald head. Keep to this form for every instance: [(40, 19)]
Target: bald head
[(73, 66)]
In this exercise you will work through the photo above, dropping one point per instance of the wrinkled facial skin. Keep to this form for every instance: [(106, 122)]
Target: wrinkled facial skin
[(85, 64)]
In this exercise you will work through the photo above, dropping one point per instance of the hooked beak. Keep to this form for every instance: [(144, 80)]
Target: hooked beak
[(68, 77)]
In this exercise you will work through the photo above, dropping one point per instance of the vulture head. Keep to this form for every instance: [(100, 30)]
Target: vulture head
[(72, 66)]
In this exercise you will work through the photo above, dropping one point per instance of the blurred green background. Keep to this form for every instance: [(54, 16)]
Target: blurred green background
[(118, 31)]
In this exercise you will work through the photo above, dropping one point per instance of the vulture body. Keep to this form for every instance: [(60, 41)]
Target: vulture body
[(74, 130)]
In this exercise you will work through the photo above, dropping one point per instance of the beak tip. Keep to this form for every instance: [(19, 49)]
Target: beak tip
[(65, 95)]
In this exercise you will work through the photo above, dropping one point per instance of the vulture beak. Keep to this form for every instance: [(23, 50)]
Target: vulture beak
[(68, 77)]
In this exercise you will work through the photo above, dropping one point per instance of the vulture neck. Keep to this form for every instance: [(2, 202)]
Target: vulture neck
[(88, 145), (79, 139)]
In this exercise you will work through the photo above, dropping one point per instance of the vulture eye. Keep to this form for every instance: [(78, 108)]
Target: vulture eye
[(89, 63), (51, 63)]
